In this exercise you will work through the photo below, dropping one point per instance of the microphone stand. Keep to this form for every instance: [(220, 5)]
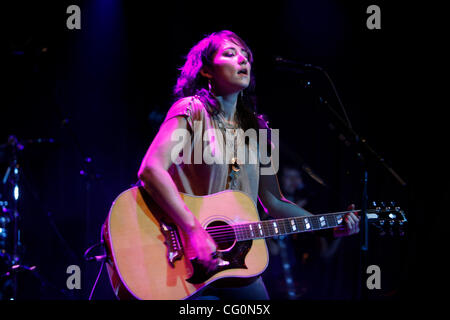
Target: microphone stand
[(302, 164), (364, 153)]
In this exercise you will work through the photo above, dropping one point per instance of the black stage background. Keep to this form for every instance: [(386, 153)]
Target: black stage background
[(101, 93)]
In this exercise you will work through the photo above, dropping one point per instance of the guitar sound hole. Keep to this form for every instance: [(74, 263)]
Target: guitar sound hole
[(222, 233)]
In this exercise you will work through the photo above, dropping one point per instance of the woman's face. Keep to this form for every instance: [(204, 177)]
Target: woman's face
[(231, 69)]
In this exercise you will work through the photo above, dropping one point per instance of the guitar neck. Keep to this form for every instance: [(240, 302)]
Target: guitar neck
[(286, 226)]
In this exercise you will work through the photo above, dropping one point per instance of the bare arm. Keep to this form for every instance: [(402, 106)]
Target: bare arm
[(271, 197), (157, 181), (160, 185), (279, 207)]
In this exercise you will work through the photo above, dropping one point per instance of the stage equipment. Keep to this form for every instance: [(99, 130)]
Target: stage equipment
[(363, 151), (11, 246)]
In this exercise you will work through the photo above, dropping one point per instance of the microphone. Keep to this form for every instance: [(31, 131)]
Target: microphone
[(295, 64)]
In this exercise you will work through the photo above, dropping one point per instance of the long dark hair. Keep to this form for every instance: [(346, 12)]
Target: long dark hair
[(191, 82)]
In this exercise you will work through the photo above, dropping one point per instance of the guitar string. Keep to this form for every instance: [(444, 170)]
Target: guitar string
[(232, 236), (228, 235), (234, 229), (280, 220), (267, 231), (222, 234), (264, 224)]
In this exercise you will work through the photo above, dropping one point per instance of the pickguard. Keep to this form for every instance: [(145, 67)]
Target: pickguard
[(230, 259)]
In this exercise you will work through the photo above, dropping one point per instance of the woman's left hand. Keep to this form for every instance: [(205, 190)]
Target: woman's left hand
[(351, 224)]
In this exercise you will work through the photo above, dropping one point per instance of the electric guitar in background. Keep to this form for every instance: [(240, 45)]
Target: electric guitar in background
[(147, 258)]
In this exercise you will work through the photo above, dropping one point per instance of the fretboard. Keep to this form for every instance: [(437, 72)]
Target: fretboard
[(278, 227)]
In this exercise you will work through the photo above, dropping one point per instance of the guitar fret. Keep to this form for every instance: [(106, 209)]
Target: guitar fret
[(339, 219), (281, 227), (263, 230), (330, 220), (278, 227), (319, 222), (322, 222), (260, 229), (275, 227), (312, 221), (300, 224), (237, 232), (293, 225), (252, 232), (267, 229), (287, 226), (333, 220), (307, 223), (315, 223), (253, 229), (271, 228), (286, 229), (241, 232)]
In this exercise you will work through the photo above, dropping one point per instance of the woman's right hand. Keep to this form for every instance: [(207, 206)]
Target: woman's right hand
[(201, 246)]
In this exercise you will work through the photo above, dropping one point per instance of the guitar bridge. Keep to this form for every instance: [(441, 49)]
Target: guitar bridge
[(172, 242)]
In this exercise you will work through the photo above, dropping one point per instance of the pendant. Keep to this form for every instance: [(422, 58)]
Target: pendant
[(235, 164)]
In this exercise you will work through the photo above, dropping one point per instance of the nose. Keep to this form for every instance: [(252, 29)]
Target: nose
[(243, 59)]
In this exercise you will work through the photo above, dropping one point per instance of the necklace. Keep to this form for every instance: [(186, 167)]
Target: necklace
[(226, 123), (230, 142)]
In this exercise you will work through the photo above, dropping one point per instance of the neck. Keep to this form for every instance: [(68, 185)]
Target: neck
[(228, 103)]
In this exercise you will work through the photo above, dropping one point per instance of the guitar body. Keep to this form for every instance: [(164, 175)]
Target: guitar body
[(147, 258)]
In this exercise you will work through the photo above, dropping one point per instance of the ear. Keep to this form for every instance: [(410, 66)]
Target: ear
[(205, 72)]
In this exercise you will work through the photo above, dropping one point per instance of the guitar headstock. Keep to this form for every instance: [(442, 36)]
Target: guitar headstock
[(387, 217)]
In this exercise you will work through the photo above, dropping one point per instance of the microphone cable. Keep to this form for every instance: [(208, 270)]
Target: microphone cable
[(98, 258)]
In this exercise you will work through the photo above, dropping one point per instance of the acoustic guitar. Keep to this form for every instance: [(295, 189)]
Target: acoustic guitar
[(147, 258)]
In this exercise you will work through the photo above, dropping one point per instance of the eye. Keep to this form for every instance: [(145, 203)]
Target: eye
[(229, 53)]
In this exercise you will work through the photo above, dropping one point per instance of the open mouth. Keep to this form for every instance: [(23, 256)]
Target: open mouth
[(243, 71)]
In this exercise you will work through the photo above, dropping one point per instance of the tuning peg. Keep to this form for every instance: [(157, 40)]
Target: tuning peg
[(376, 205)]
